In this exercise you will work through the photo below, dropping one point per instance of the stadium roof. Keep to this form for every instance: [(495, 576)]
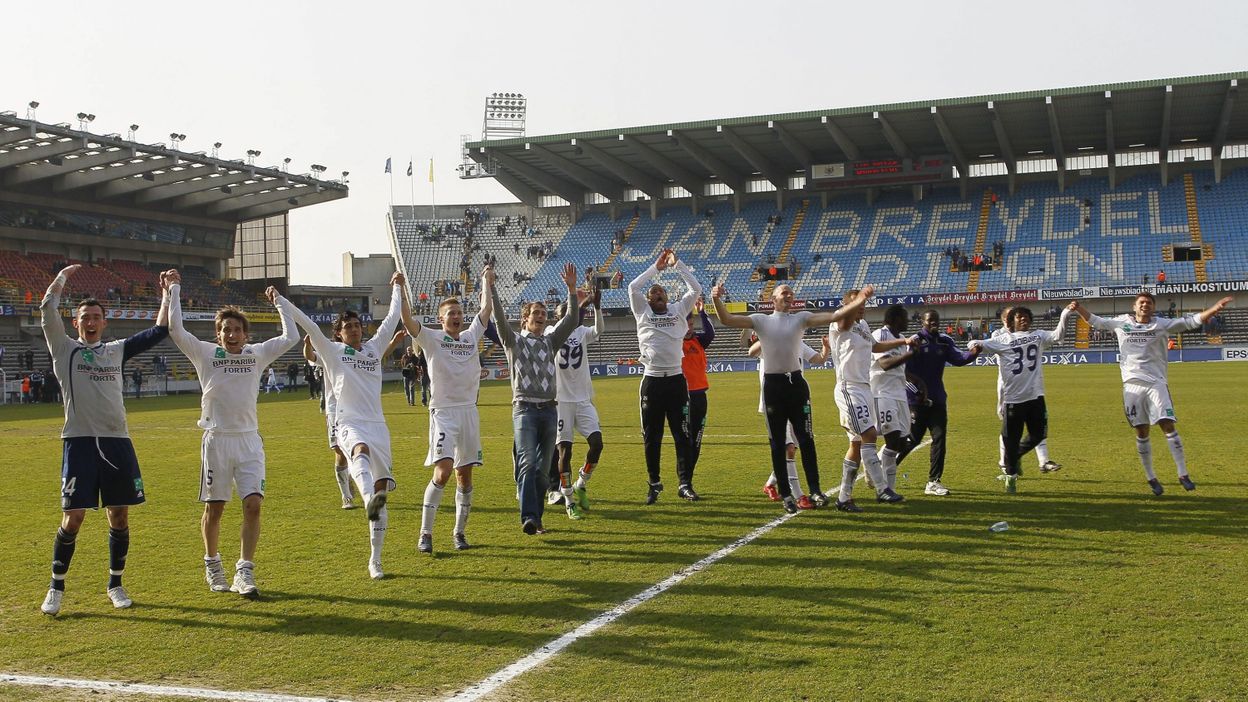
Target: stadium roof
[(59, 161), (1156, 115)]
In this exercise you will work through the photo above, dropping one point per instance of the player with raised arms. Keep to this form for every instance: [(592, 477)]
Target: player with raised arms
[(342, 476), (888, 387), (1142, 343), (1020, 369), (353, 370), (98, 465), (453, 355), (786, 395), (231, 452), (576, 405), (1047, 465), (664, 394)]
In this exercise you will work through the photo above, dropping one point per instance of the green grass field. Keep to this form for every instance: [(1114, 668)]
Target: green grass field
[(1098, 591)]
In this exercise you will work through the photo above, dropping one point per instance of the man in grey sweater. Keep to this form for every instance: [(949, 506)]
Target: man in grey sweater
[(531, 358)]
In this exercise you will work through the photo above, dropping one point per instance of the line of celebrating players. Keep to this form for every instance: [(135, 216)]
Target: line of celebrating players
[(553, 397)]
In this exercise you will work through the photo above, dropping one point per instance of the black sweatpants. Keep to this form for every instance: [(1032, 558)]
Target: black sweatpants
[(786, 398), (665, 399), (697, 424), (1035, 417), (933, 418)]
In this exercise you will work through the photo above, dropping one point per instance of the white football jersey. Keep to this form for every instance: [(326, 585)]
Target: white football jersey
[(1142, 352), (454, 365), (804, 353), (852, 350), (572, 379), (229, 380), (327, 390), (354, 374), (661, 337), (1020, 360), (888, 384)]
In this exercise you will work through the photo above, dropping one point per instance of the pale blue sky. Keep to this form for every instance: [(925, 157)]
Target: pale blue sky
[(346, 85)]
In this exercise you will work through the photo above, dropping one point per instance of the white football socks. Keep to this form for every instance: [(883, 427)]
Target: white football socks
[(1001, 446), (463, 505), (849, 473), (343, 476), (429, 511), (888, 461), (1176, 450), (377, 534), (1145, 448), (871, 461), (362, 474), (1042, 453), (795, 485)]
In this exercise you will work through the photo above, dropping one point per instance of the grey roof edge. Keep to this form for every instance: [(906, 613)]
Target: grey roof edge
[(863, 109)]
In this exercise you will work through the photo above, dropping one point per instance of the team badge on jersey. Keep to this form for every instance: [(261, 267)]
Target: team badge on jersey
[(219, 353), (348, 350), (88, 355)]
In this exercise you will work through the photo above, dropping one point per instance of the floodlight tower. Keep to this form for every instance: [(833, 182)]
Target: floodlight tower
[(503, 118)]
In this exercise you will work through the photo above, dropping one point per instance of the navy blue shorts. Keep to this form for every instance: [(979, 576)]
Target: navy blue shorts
[(99, 470)]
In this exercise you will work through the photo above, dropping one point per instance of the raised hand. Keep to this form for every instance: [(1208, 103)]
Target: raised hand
[(69, 270), (173, 276), (597, 297), (699, 305), (398, 279), (867, 292), (569, 275), (270, 294), (827, 345), (666, 258), (581, 297), (1221, 304), (489, 274), (399, 335), (718, 292)]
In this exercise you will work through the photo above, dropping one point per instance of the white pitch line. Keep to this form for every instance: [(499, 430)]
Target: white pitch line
[(484, 687), (143, 689)]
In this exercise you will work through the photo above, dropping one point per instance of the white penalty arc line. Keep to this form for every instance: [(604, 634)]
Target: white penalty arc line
[(168, 691), (550, 650)]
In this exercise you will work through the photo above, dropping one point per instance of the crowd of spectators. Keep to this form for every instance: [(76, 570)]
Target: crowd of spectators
[(964, 262)]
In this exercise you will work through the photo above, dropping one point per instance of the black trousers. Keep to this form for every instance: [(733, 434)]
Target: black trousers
[(666, 399), (1031, 414), (933, 418), (697, 423), (786, 398)]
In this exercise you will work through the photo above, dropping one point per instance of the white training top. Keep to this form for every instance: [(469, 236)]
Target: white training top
[(781, 335), (229, 380), (804, 351), (1142, 352), (327, 391), (888, 384), (661, 337), (355, 374), (454, 365), (572, 381), (90, 377), (852, 350), (1020, 360)]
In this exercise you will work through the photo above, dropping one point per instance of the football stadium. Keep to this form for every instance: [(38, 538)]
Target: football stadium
[(1088, 560)]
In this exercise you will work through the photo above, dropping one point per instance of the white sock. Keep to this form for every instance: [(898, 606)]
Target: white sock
[(1042, 453), (1001, 446), (429, 511), (1145, 448), (771, 479), (584, 475), (362, 474), (888, 461), (849, 473), (343, 476), (212, 559), (871, 461), (1176, 450), (794, 484), (463, 505), (377, 534)]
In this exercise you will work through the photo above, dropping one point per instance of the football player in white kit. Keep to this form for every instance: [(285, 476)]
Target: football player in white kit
[(809, 357), (231, 452), (353, 369), (888, 387), (1020, 368), (341, 475), (1142, 344), (852, 347), (575, 396), (1047, 465), (454, 361)]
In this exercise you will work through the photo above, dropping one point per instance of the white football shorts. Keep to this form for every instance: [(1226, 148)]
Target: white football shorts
[(579, 416), (455, 433), (1147, 404), (894, 415), (332, 426), (857, 408), (230, 462), (374, 435)]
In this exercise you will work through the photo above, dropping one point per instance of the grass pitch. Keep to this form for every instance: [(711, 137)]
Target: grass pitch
[(1098, 591)]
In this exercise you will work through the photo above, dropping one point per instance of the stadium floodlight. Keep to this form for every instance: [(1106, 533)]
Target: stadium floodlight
[(286, 164), (30, 109), (251, 156), (130, 135), (216, 148)]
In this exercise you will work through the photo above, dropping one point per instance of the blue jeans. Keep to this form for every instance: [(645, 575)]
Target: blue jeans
[(534, 429)]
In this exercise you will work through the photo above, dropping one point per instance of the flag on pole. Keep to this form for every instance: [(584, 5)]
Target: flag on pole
[(431, 170), (387, 165), (409, 169)]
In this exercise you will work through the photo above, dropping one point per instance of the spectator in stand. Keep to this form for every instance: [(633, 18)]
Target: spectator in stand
[(136, 376), (28, 358), (1173, 309), (26, 399), (1161, 277), (292, 376)]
